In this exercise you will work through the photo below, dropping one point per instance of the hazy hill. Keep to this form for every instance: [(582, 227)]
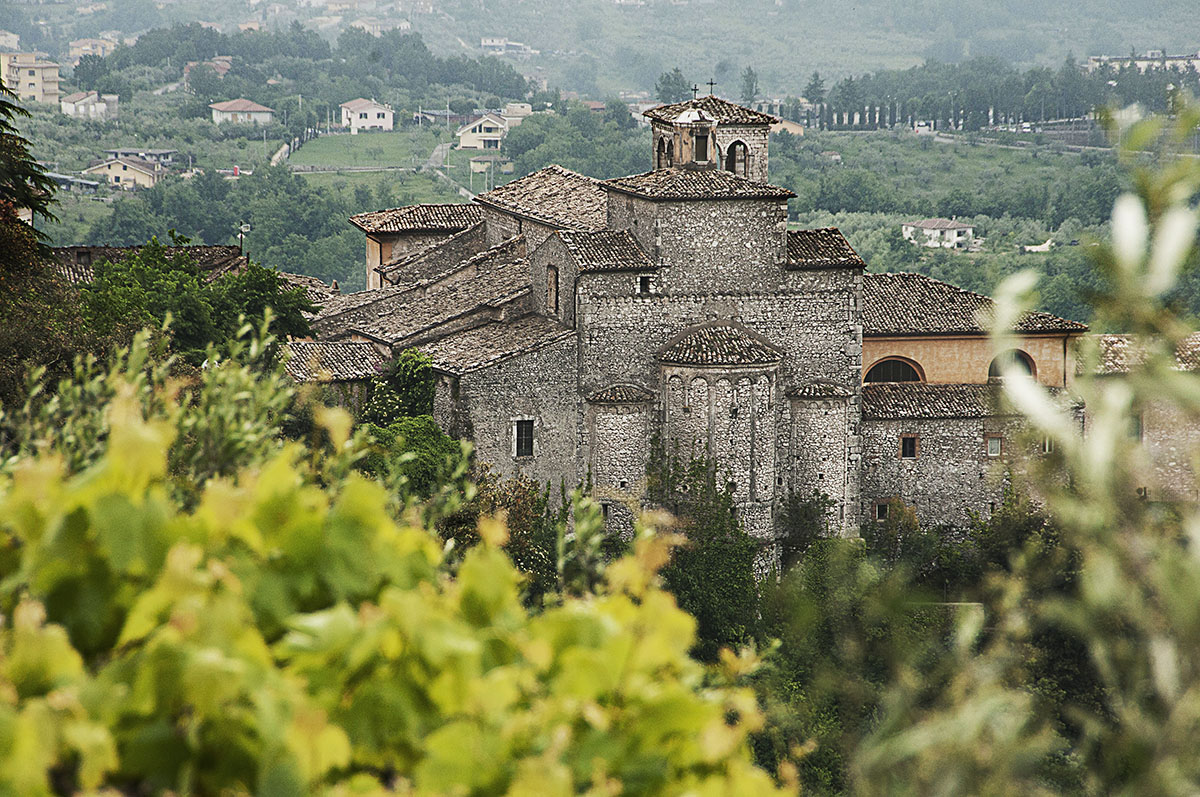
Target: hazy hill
[(598, 46)]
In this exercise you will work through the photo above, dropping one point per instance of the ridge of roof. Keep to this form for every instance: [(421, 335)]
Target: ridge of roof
[(824, 247), (680, 183), (605, 250), (485, 345), (555, 196), (455, 216), (240, 104), (724, 111), (621, 393)]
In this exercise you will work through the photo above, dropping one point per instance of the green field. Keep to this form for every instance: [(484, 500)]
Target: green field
[(406, 147)]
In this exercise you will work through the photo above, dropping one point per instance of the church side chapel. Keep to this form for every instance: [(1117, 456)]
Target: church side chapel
[(573, 323)]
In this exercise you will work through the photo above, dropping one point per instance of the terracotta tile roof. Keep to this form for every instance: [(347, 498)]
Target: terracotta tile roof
[(819, 389), (725, 112), (555, 196), (1120, 353), (719, 344), (682, 184), (133, 163), (501, 274), (339, 311), (332, 361), (362, 103), (314, 289), (448, 217), (920, 400), (823, 248), (482, 346), (605, 250), (390, 270), (241, 105), (913, 304), (213, 261), (623, 393), (938, 224)]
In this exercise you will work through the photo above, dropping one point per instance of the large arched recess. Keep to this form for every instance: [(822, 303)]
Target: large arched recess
[(894, 369), (1022, 359)]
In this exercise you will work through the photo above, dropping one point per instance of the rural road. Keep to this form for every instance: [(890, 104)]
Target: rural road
[(437, 157)]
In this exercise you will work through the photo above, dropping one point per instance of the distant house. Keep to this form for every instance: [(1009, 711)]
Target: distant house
[(163, 157), (128, 173), (70, 183), (1149, 61), (376, 27), (363, 114), (241, 111), (30, 77), (221, 64), (515, 112), (788, 126), (486, 132), (90, 105), (81, 47), (945, 233)]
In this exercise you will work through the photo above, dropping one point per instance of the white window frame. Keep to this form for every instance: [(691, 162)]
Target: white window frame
[(513, 425)]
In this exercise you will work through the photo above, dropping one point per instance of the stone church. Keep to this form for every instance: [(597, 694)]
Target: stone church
[(572, 322)]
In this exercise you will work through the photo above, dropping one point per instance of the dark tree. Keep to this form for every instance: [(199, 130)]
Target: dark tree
[(672, 87), (814, 92), (749, 85)]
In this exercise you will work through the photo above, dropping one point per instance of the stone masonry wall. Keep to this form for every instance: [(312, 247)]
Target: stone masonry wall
[(501, 226), (540, 386), (821, 460), (952, 475), (552, 252)]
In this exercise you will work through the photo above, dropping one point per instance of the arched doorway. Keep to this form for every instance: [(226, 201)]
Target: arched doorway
[(670, 154), (737, 159), (660, 161)]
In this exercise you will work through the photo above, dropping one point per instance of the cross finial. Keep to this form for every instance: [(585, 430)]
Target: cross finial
[(695, 91), (712, 84)]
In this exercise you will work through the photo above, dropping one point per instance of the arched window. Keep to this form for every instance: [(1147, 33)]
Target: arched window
[(1014, 356), (661, 161), (737, 159), (893, 370), (670, 153)]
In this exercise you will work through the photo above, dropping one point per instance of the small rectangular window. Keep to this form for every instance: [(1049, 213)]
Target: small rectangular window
[(881, 510), (701, 146), (1047, 445), (909, 446), (523, 432), (644, 285), (552, 289), (994, 446), (1138, 427)]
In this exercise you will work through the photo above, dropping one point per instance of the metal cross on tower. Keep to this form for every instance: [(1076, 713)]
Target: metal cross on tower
[(695, 91), (712, 84)]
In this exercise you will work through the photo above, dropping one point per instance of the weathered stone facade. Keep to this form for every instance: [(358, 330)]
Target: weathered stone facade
[(578, 321)]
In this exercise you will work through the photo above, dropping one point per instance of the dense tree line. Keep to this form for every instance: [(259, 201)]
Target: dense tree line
[(980, 92)]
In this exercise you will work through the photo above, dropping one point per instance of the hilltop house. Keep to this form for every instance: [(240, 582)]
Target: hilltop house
[(486, 132), (241, 111), (945, 233), (363, 114)]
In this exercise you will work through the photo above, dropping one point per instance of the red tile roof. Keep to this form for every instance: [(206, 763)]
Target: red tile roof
[(725, 112)]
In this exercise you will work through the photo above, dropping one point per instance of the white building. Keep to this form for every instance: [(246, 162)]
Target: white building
[(946, 233), (90, 105), (486, 132), (363, 114), (241, 111)]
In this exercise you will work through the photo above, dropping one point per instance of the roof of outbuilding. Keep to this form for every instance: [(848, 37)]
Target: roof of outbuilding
[(314, 289), (362, 102), (725, 112), (920, 400), (822, 248), (719, 344), (913, 304), (680, 183), (332, 361), (555, 196), (482, 346), (213, 261), (243, 105), (414, 218), (622, 393), (605, 250)]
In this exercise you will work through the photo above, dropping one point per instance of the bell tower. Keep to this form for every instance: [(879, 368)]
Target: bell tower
[(711, 133)]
